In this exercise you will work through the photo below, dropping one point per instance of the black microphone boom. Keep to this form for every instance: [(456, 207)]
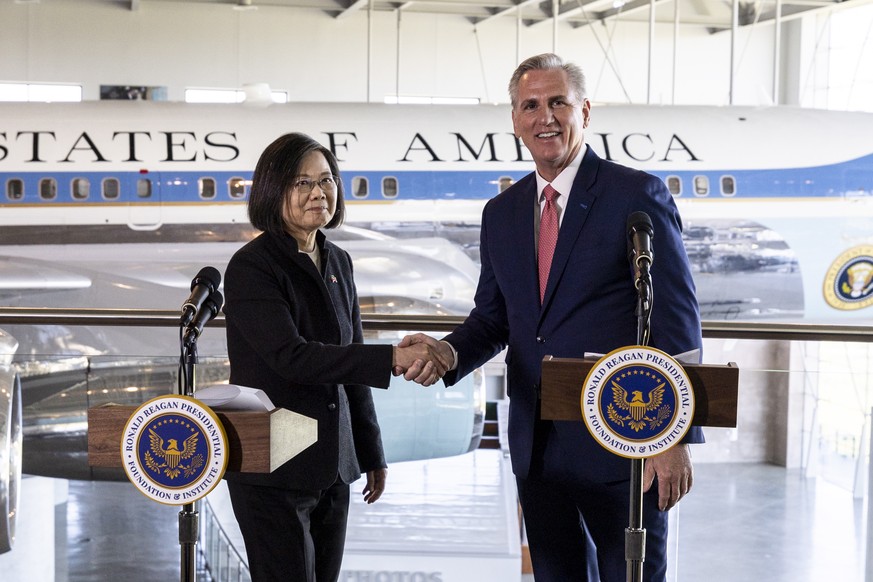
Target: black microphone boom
[(202, 286), (640, 233), (210, 308)]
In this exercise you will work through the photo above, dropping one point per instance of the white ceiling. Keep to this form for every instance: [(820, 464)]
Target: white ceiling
[(713, 15)]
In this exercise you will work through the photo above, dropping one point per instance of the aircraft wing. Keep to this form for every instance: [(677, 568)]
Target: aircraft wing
[(19, 275)]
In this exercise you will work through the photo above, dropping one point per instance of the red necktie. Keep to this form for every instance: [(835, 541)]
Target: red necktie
[(548, 236)]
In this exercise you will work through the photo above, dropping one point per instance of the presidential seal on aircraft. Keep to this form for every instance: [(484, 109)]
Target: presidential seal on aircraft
[(174, 449), (637, 401), (849, 282)]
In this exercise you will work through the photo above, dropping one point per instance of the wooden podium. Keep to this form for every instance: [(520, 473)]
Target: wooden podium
[(715, 390), (259, 442), (715, 404)]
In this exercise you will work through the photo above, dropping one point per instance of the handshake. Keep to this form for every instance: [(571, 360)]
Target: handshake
[(422, 359)]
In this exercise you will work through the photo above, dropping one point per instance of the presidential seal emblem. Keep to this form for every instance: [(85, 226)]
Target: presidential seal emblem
[(174, 449), (637, 402), (848, 283)]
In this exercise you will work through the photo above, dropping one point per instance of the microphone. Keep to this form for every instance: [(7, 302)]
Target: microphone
[(639, 244), (210, 308), (640, 233), (203, 285)]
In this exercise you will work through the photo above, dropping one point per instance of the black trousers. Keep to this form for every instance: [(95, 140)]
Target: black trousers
[(292, 535)]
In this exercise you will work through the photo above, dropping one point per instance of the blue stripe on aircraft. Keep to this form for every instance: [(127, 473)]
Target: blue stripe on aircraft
[(853, 177)]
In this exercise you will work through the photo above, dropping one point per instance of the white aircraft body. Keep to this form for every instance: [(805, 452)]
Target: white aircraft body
[(777, 202)]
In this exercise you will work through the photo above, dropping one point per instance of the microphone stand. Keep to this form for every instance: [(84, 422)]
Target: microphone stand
[(635, 534), (189, 517)]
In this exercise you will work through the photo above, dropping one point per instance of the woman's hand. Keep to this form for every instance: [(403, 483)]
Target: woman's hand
[(375, 485)]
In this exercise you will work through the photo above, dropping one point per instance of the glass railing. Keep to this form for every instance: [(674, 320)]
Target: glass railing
[(805, 394), (218, 559)]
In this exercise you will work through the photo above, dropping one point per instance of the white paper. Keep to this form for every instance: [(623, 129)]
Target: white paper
[(689, 357), (234, 397)]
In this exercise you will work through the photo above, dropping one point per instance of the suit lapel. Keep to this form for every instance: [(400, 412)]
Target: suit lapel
[(523, 221), (305, 266), (579, 203)]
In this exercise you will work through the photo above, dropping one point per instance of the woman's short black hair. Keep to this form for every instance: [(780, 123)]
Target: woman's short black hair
[(274, 176)]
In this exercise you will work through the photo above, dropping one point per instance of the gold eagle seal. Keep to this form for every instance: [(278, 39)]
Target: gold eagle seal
[(172, 456), (637, 408)]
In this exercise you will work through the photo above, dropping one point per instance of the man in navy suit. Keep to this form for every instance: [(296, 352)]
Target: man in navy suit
[(574, 493)]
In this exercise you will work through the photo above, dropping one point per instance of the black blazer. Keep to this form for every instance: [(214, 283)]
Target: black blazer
[(296, 334)]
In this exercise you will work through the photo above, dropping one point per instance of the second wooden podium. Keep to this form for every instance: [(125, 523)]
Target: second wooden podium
[(715, 390)]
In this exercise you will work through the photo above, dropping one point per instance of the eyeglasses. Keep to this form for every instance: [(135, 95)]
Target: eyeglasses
[(327, 185)]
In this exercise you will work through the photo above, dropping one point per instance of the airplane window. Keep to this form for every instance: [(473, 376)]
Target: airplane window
[(48, 189), (111, 188), (701, 186), (15, 189), (505, 182), (360, 187), (389, 187), (674, 185), (81, 188), (144, 188), (237, 188), (728, 186), (206, 187)]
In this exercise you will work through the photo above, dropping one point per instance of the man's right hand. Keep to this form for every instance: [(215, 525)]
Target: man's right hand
[(422, 359)]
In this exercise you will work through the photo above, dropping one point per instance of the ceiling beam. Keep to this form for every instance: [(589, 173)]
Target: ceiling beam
[(626, 9), (352, 8), (510, 10)]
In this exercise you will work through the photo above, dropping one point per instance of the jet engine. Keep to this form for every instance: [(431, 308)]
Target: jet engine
[(10, 442)]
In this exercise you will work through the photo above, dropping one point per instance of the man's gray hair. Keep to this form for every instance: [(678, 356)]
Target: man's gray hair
[(545, 62)]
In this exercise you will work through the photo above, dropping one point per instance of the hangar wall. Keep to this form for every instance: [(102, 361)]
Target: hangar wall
[(315, 57)]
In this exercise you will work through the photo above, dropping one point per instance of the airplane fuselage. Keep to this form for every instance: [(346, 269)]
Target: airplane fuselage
[(759, 189)]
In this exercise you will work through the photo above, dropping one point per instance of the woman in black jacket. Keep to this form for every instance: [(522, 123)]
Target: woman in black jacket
[(294, 331)]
